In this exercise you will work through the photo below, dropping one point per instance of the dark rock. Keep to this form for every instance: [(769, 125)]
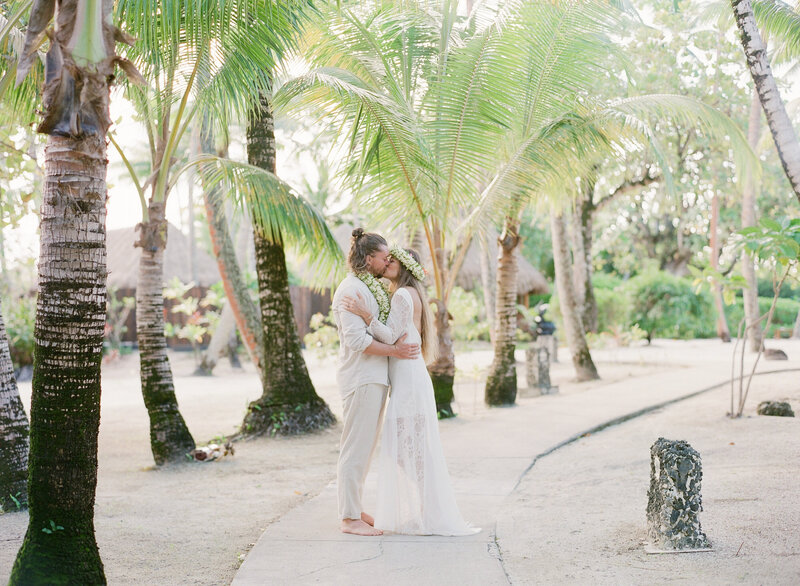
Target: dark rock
[(775, 408), (775, 354), (674, 499)]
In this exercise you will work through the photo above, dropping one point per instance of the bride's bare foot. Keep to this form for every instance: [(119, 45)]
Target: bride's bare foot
[(359, 527), (367, 518)]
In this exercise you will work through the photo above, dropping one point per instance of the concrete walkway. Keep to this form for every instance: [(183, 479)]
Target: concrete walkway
[(487, 458)]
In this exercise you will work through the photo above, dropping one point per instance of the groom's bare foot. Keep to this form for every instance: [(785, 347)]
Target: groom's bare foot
[(367, 518), (359, 527)]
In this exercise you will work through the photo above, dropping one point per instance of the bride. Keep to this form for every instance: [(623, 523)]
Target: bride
[(414, 492)]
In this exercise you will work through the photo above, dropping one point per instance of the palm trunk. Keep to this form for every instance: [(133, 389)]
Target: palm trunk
[(13, 435), (218, 343), (796, 330), (443, 370), (244, 310), (583, 231), (576, 337), (754, 333), (501, 384), (488, 277), (777, 119), (289, 404), (60, 546), (722, 324), (170, 439)]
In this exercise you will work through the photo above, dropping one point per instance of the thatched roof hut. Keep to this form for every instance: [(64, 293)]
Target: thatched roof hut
[(529, 279), (123, 260)]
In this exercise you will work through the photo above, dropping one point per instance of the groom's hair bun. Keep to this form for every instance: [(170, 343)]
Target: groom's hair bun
[(363, 244)]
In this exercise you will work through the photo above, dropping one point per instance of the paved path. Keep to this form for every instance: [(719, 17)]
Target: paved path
[(487, 458)]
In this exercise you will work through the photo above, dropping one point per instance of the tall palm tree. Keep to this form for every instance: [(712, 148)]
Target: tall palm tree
[(289, 404), (783, 18), (214, 68), (410, 85), (60, 545), (13, 434)]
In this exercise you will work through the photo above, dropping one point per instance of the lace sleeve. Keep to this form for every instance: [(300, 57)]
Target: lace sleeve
[(400, 315)]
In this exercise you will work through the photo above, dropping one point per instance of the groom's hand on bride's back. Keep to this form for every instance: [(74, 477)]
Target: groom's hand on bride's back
[(404, 350)]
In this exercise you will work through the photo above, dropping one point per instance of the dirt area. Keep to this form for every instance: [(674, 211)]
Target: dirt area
[(578, 517)]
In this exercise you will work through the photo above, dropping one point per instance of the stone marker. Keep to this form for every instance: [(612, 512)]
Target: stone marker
[(776, 408), (537, 366), (674, 501)]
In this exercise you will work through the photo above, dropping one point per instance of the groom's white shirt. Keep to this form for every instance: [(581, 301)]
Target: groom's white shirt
[(355, 367)]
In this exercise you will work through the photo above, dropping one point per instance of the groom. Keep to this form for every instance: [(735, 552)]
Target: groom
[(363, 375)]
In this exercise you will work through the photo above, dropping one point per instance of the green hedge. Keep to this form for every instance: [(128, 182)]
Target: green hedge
[(784, 316)]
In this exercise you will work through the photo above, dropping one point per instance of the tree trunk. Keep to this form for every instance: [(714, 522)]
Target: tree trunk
[(488, 278), (777, 119), (754, 333), (60, 546), (576, 338), (170, 439), (289, 404), (722, 324), (583, 238), (501, 384), (796, 331), (13, 435), (443, 370), (244, 309), (219, 342)]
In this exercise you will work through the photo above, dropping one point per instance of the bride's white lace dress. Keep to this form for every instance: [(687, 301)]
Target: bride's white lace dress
[(415, 496)]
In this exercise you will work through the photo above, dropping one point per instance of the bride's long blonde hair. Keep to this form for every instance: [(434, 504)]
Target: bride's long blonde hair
[(430, 344)]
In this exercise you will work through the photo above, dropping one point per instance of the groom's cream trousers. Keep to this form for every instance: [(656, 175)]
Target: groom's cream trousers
[(363, 413)]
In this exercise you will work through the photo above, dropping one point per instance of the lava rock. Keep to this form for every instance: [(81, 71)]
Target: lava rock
[(775, 408)]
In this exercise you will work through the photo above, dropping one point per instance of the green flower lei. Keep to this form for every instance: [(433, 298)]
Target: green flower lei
[(380, 293), (408, 261)]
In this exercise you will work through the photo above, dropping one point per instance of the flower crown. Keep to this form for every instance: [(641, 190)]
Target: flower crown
[(408, 261)]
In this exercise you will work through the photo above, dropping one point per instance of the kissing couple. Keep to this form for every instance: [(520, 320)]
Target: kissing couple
[(385, 338)]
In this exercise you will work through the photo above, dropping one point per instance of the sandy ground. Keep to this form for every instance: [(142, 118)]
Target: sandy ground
[(578, 516), (193, 523)]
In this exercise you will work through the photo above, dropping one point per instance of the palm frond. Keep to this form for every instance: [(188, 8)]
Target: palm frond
[(277, 212)]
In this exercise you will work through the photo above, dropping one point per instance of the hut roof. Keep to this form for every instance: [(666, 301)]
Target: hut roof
[(529, 279), (123, 259)]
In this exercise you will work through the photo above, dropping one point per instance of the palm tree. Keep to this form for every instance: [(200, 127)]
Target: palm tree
[(411, 86), (59, 545), (289, 404), (13, 434), (214, 68), (781, 17)]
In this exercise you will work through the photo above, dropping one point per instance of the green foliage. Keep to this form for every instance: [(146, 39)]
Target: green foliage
[(52, 528), (662, 304), (202, 315), (467, 311), (783, 318), (613, 308), (20, 317), (117, 311), (323, 339)]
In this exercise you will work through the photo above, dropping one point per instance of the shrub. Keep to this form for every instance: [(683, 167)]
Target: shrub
[(20, 318), (665, 305), (612, 309), (784, 316), (466, 309)]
